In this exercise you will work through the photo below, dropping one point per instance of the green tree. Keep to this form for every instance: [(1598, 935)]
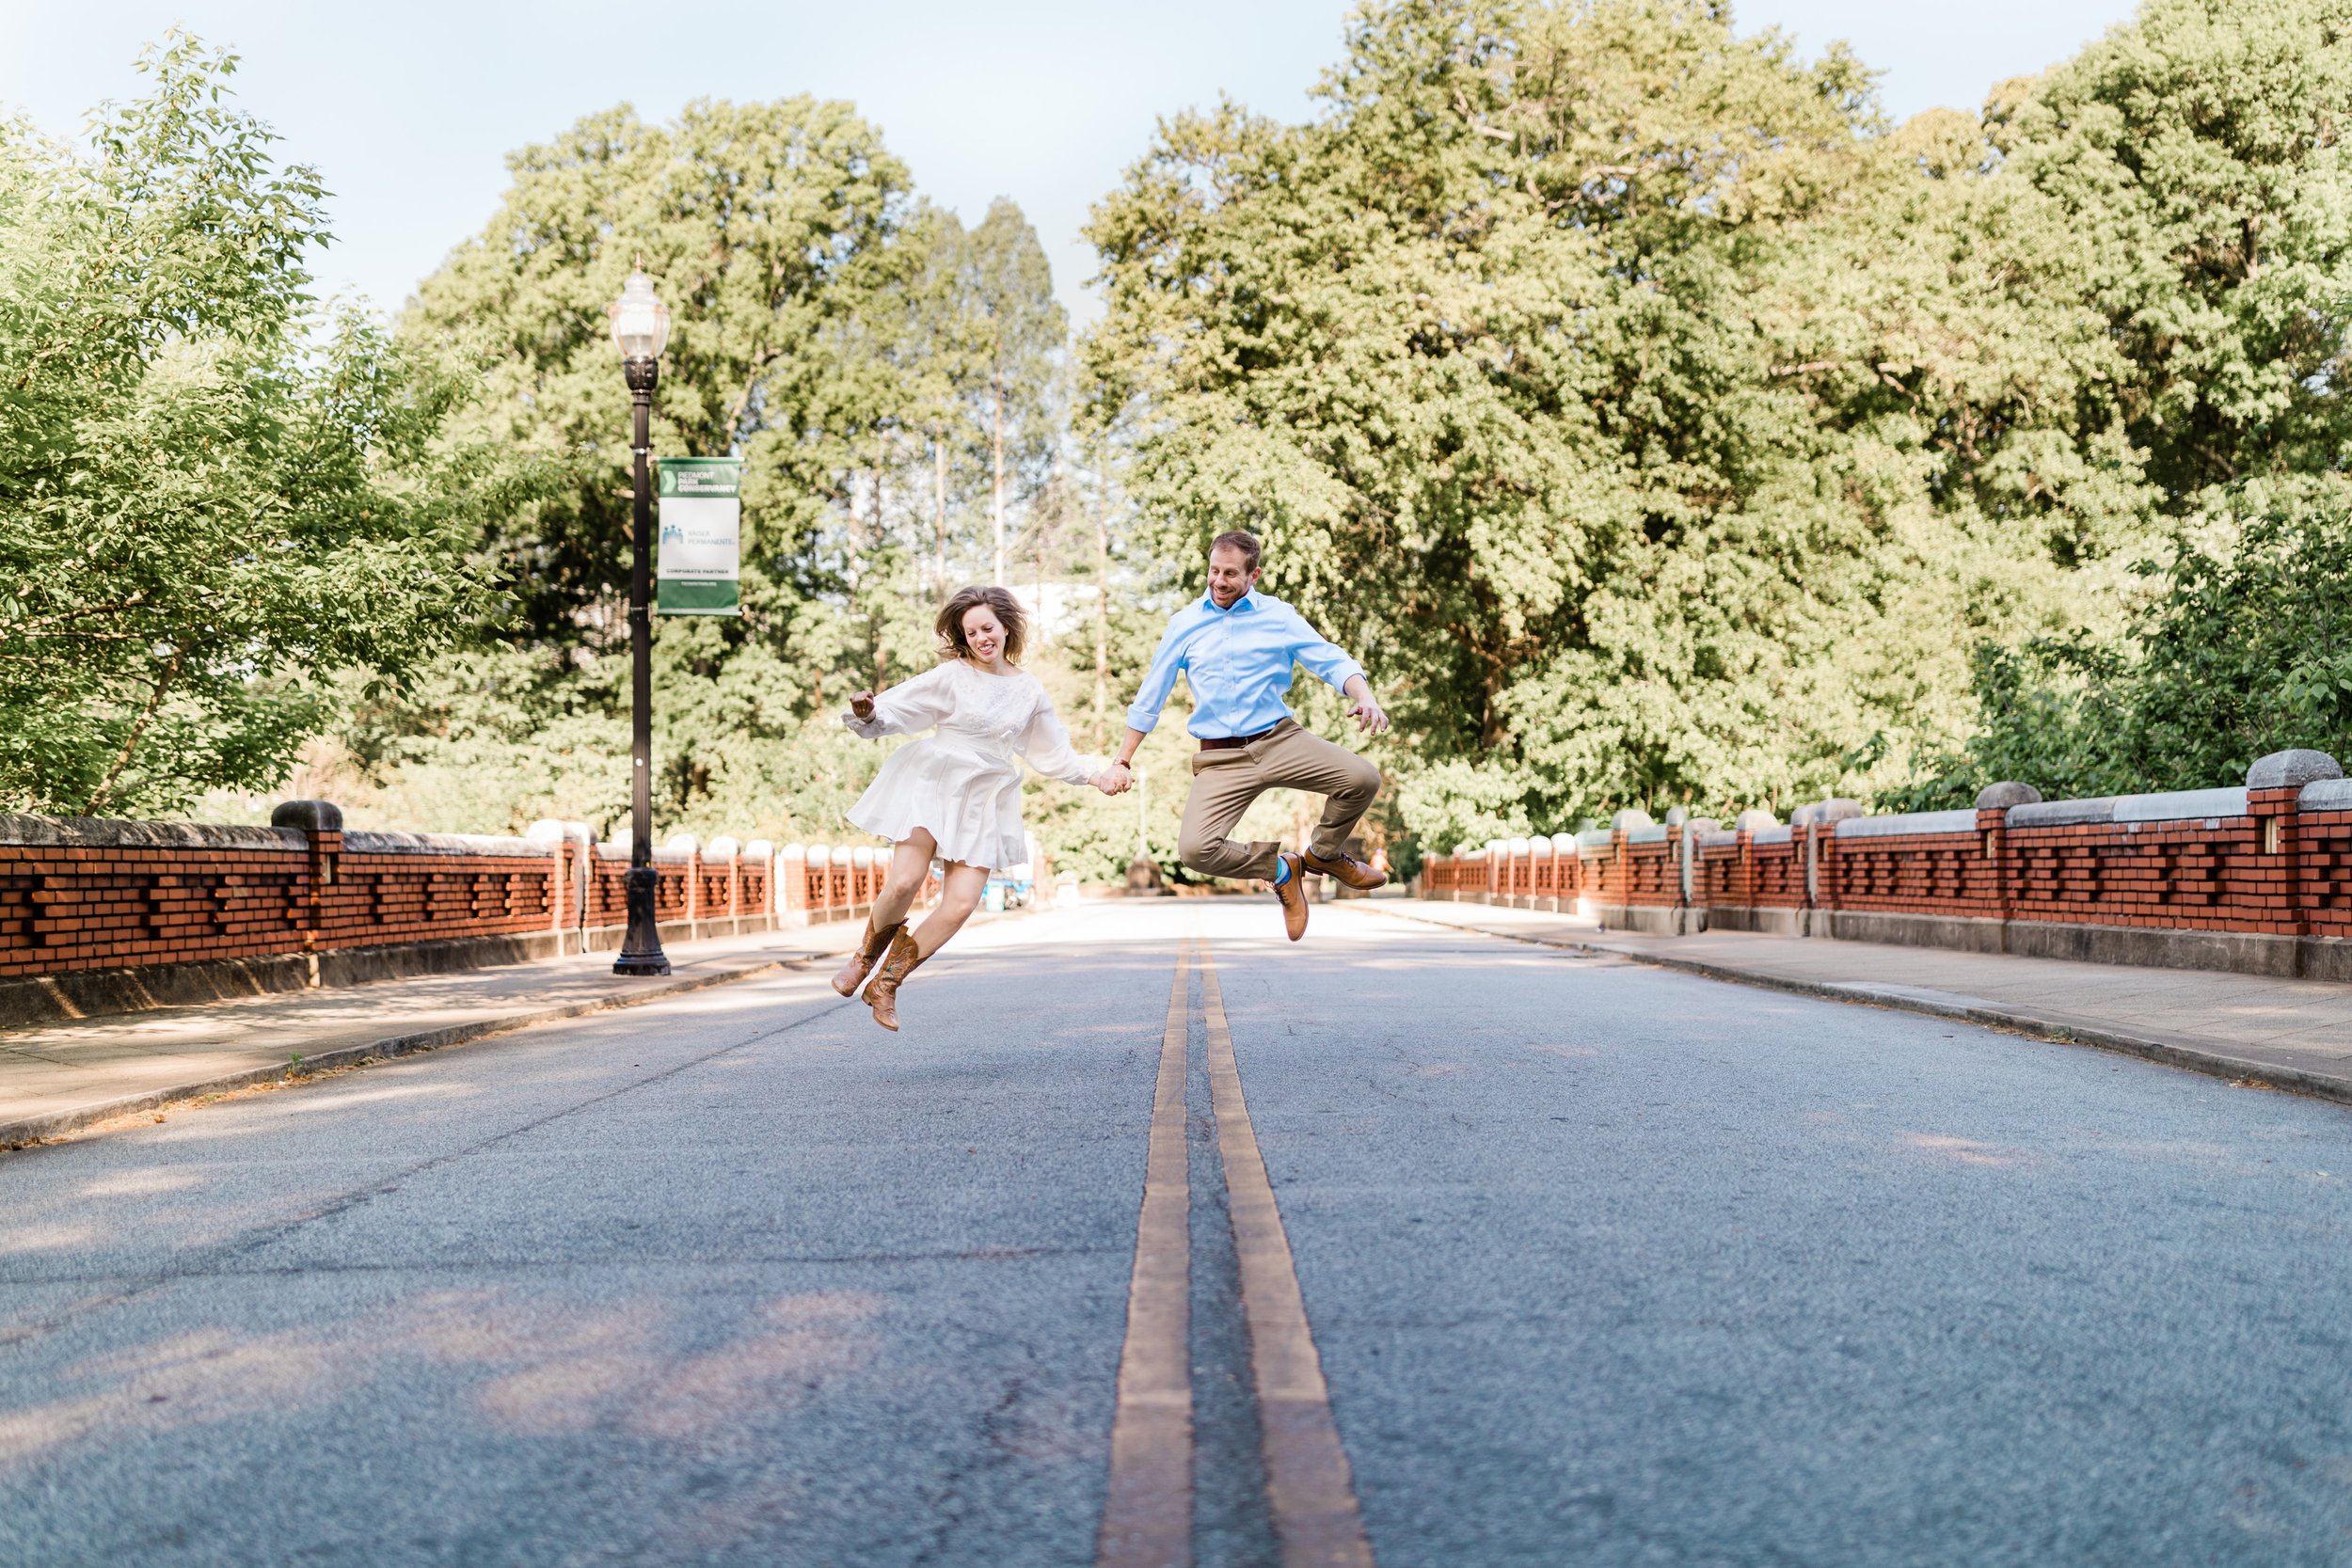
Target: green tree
[(214, 502), (1021, 331), (1488, 352), (830, 328), (2243, 647), (1668, 428)]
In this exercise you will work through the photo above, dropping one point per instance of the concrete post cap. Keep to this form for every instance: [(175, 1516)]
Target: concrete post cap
[(820, 854), (862, 855), (2000, 797), (759, 850), (1678, 816), (317, 817), (1629, 819), (1704, 825), (1522, 846), (1540, 847), (686, 842), (724, 848), (1565, 843), (1753, 819), (2279, 770), (623, 839), (793, 852)]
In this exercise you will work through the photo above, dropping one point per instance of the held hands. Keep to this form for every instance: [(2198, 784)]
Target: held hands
[(1115, 780), (863, 706)]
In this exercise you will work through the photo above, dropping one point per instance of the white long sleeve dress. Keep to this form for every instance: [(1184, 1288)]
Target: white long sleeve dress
[(962, 783)]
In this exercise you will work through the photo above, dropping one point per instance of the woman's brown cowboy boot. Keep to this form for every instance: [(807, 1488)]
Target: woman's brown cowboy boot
[(882, 994), (869, 947)]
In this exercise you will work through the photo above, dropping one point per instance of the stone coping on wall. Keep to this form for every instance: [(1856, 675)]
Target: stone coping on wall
[(101, 832), (2325, 795), (1907, 824), (361, 842), (2062, 814), (2179, 805)]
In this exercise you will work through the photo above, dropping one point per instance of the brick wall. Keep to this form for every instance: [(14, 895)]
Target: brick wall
[(89, 895), (2256, 878), (153, 892)]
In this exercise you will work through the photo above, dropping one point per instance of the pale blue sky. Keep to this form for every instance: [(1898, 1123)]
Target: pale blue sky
[(409, 109)]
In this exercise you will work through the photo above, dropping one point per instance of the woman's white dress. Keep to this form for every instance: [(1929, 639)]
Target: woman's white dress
[(962, 783)]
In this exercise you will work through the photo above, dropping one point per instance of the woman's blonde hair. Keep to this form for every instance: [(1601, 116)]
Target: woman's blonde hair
[(1009, 615)]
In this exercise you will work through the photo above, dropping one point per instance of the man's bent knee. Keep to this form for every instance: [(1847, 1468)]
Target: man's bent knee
[(1215, 857), (1362, 779)]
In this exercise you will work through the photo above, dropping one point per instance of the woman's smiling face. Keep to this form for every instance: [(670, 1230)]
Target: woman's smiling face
[(983, 634)]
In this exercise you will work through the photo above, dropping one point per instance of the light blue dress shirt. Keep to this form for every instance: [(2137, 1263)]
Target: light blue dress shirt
[(1238, 663)]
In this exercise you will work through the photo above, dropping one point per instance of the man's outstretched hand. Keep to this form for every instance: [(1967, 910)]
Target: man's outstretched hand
[(1369, 715), (863, 706)]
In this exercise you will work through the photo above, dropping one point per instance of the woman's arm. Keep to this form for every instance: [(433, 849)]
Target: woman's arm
[(1045, 746), (906, 708)]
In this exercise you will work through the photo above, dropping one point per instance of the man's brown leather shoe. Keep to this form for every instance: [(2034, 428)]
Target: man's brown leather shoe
[(1347, 870), (1294, 896)]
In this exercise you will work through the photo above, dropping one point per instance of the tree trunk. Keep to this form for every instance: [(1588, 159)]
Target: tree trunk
[(1102, 614), (131, 741), (873, 621), (997, 452), (1037, 552), (939, 511)]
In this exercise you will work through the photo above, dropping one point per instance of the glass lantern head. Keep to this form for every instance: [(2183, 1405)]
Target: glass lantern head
[(640, 323)]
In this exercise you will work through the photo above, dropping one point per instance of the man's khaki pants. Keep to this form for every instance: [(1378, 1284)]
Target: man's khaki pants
[(1225, 781)]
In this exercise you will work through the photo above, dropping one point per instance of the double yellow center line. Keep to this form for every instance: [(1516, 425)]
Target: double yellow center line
[(1147, 1517)]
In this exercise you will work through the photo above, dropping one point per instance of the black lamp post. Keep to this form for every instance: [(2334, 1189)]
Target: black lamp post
[(640, 328)]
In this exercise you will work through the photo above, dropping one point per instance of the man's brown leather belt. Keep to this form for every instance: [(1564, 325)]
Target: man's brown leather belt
[(1235, 742)]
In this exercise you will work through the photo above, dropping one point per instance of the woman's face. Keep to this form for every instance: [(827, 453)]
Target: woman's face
[(983, 633)]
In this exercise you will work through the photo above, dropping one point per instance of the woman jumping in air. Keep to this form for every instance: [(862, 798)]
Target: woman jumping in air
[(954, 796)]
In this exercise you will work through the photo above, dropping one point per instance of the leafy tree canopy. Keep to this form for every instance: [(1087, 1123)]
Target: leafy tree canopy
[(213, 500), (1667, 426)]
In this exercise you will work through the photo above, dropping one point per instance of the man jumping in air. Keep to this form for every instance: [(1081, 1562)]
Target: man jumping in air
[(1235, 649)]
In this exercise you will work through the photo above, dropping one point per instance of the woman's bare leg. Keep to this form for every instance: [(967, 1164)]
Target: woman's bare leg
[(910, 863), (961, 895)]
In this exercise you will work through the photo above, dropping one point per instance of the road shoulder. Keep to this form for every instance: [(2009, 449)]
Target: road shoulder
[(61, 1078), (2293, 1034)]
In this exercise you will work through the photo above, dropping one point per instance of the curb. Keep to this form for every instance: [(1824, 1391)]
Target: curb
[(2212, 1064), (26, 1131)]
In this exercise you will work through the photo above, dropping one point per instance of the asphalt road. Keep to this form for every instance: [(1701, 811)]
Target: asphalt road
[(1603, 1265)]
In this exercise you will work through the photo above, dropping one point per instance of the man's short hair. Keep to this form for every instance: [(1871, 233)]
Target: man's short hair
[(1240, 540)]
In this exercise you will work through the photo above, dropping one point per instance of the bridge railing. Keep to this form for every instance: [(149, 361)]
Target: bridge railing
[(97, 914), (2255, 878)]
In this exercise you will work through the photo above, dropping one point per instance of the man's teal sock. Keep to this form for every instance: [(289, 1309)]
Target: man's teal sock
[(1281, 870)]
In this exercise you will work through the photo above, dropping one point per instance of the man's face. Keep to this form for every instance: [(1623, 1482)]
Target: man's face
[(1230, 576)]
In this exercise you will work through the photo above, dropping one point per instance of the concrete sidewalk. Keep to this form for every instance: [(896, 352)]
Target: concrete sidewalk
[(2291, 1034), (57, 1077)]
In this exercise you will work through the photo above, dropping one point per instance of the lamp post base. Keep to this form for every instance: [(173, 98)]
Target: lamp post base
[(641, 951)]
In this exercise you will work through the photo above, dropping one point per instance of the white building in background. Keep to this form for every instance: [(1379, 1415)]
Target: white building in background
[(1058, 611)]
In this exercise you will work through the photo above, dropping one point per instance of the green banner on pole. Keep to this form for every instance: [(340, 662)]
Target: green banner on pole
[(701, 529)]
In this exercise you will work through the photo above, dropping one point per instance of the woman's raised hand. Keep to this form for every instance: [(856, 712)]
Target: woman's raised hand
[(863, 706)]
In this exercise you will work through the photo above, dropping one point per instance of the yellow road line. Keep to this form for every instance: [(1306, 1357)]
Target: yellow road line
[(1147, 1517), (1308, 1489)]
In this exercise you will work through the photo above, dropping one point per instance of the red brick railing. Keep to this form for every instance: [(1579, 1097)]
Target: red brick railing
[(2256, 879), (82, 896)]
